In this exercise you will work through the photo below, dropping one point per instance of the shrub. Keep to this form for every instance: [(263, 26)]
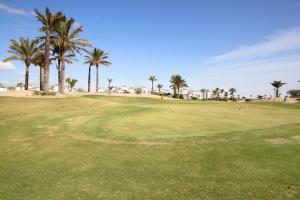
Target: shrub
[(49, 93), (36, 93), (294, 93), (194, 98), (138, 90), (80, 90), (176, 96)]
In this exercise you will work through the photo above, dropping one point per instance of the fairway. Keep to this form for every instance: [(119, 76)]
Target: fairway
[(101, 147)]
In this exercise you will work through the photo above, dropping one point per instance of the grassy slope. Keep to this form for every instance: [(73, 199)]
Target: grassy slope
[(134, 148)]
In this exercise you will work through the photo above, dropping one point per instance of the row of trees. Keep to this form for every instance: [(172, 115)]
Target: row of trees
[(59, 43)]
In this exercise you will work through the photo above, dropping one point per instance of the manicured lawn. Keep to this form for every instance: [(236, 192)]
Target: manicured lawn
[(140, 148)]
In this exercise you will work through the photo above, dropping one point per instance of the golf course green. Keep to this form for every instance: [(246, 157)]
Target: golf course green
[(104, 147)]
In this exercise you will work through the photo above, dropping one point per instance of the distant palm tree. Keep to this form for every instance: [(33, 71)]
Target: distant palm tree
[(202, 91), (152, 79), (49, 24), (231, 92), (109, 85), (222, 92), (277, 85), (72, 83), (216, 93), (39, 60), (177, 82), (24, 50), (67, 41), (97, 57), (159, 87)]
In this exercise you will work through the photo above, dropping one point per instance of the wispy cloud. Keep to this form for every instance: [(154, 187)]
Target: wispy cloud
[(7, 66), (15, 11), (281, 42)]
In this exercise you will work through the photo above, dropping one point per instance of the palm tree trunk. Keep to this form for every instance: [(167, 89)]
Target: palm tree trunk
[(97, 78), (152, 87), (27, 76), (277, 93), (62, 79), (89, 79), (41, 78), (46, 66), (58, 67), (178, 92)]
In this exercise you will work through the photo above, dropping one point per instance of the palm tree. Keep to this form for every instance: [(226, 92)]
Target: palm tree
[(152, 79), (277, 85), (39, 60), (177, 82), (72, 83), (67, 42), (202, 91), (90, 62), (159, 87), (109, 85), (222, 92), (216, 93), (97, 57), (24, 50), (68, 80), (49, 24), (231, 92)]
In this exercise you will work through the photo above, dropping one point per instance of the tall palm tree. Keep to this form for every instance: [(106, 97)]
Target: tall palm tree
[(24, 50), (97, 57), (159, 87), (277, 85), (67, 41), (39, 60), (152, 79), (231, 92), (177, 82), (49, 24)]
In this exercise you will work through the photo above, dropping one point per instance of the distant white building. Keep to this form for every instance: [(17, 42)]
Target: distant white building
[(2, 89)]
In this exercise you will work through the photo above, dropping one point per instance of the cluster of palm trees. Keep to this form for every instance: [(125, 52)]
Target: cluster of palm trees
[(60, 43)]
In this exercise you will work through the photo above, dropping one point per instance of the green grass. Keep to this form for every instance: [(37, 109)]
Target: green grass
[(140, 148)]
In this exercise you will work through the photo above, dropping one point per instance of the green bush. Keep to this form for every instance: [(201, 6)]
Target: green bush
[(48, 93), (294, 93), (138, 90)]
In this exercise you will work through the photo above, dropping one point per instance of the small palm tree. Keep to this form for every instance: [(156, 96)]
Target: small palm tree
[(24, 50), (277, 85), (159, 87), (72, 83), (231, 92), (177, 82), (202, 91), (152, 79), (97, 57), (49, 24), (109, 85)]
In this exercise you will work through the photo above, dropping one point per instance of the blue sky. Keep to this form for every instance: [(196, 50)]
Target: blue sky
[(231, 43)]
